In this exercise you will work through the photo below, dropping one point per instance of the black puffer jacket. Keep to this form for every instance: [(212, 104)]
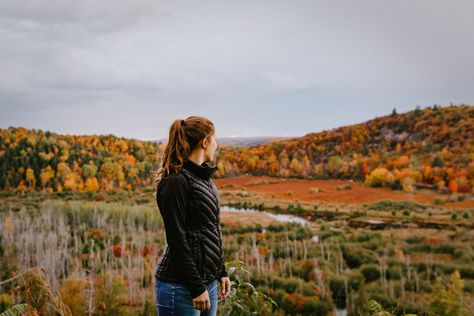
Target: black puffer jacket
[(190, 207)]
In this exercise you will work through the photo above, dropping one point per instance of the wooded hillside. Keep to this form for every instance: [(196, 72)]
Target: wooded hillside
[(430, 147)]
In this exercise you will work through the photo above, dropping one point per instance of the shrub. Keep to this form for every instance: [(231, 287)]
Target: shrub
[(314, 306), (355, 280), (393, 273), (303, 232), (338, 291), (379, 177), (73, 293), (388, 205), (415, 239), (275, 228), (289, 285), (366, 236), (370, 272), (468, 287), (467, 271), (355, 256)]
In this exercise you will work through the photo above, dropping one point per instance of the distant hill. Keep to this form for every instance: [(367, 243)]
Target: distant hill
[(32, 159), (239, 141), (431, 148)]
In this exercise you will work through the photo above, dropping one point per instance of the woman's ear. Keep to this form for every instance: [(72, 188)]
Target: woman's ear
[(205, 143)]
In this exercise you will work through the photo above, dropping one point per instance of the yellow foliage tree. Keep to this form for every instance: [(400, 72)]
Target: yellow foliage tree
[(401, 162), (296, 167), (30, 178), (448, 298), (273, 165), (46, 174), (63, 170), (92, 185), (379, 177), (89, 170), (71, 181)]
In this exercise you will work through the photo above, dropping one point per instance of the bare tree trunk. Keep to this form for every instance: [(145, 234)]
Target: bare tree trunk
[(270, 263), (91, 289), (305, 250), (383, 271), (328, 252), (319, 277), (417, 281), (346, 289), (402, 283), (256, 253), (322, 248), (295, 247)]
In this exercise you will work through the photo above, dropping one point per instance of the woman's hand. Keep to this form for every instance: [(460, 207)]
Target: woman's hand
[(225, 287), (202, 302)]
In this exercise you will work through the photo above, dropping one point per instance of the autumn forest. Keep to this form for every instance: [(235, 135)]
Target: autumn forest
[(432, 147)]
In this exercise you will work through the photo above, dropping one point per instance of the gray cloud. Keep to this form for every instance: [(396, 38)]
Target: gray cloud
[(255, 68)]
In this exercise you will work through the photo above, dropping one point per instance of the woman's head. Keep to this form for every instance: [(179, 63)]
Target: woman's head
[(195, 133)]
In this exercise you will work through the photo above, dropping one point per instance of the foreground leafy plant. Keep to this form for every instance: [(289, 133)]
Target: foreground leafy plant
[(37, 296), (377, 310), (244, 299)]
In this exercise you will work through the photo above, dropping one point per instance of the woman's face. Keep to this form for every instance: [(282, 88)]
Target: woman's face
[(211, 147)]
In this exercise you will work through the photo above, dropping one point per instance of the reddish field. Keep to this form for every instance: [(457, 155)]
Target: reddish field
[(301, 189)]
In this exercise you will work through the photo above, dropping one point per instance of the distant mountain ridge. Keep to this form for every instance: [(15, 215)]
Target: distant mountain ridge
[(240, 141)]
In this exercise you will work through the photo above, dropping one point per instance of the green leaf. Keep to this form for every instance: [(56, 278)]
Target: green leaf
[(15, 310)]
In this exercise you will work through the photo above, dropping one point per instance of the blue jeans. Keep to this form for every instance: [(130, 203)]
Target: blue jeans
[(175, 299)]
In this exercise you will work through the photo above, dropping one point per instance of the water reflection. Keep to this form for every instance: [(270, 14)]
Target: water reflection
[(279, 217)]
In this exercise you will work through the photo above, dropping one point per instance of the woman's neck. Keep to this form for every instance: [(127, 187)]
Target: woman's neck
[(197, 157)]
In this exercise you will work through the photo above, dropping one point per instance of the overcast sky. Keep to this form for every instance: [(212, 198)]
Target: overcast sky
[(255, 68)]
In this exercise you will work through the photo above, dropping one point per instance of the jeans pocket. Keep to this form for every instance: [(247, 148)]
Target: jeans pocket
[(183, 299)]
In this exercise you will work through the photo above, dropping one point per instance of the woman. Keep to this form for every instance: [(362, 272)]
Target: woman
[(186, 280)]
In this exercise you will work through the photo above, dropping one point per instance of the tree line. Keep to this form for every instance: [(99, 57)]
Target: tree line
[(431, 148)]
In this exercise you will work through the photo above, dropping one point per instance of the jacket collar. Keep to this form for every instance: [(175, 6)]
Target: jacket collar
[(204, 171)]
